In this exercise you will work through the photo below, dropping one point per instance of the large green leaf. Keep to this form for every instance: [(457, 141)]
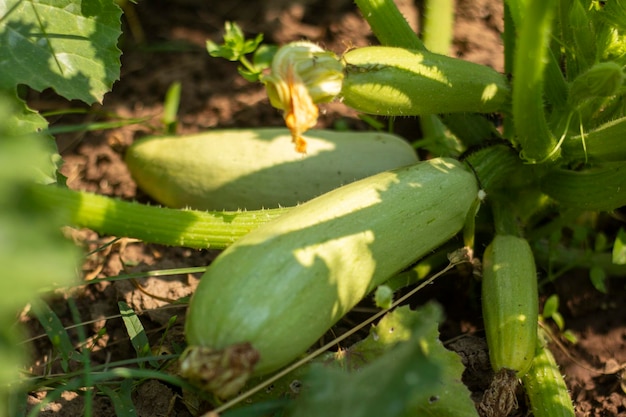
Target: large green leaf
[(67, 45)]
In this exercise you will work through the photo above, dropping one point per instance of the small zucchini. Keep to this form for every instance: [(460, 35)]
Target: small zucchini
[(401, 82), (258, 168), (510, 303), (281, 287), (546, 387)]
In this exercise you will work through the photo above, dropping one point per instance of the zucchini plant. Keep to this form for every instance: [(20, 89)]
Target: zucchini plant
[(288, 274), (549, 109)]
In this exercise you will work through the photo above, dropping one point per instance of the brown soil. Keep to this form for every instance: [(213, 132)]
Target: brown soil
[(166, 44)]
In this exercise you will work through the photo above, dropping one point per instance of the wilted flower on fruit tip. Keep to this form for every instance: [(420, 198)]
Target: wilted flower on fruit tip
[(302, 74)]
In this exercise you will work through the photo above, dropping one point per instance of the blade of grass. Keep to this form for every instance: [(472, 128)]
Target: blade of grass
[(170, 108), (49, 381), (136, 332), (84, 358), (121, 398), (116, 374), (90, 127), (56, 332), (154, 273)]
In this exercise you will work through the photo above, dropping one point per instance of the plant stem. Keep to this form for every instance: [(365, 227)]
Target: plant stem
[(504, 219), (172, 227), (599, 188), (531, 127), (498, 167), (388, 24), (605, 143), (517, 9), (438, 26), (509, 39), (437, 36)]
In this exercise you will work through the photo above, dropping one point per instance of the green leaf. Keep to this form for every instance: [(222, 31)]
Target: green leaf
[(416, 377), (551, 310), (235, 44), (21, 120), (598, 278), (121, 399), (551, 306), (170, 108), (249, 75), (614, 12), (56, 332), (135, 331), (263, 56), (383, 297), (67, 45), (619, 248)]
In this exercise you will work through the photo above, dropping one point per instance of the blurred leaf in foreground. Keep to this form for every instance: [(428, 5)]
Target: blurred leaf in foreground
[(33, 252)]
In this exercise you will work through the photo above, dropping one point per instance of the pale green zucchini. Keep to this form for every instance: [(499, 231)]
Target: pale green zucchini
[(400, 82), (510, 303), (545, 386), (258, 168), (281, 287)]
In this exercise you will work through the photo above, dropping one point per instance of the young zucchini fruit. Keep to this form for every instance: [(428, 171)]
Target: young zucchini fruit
[(510, 303), (273, 293), (401, 82), (546, 387), (258, 168)]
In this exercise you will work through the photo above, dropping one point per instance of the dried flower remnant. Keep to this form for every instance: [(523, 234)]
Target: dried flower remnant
[(302, 75)]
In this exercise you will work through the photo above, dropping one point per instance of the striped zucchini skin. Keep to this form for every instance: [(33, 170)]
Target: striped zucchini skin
[(400, 82), (510, 303), (282, 286), (258, 168), (546, 387)]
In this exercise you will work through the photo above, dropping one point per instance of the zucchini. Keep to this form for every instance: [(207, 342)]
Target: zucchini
[(510, 303), (546, 387), (400, 82), (277, 290), (257, 168)]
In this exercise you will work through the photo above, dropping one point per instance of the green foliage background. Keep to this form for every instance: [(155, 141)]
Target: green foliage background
[(71, 47)]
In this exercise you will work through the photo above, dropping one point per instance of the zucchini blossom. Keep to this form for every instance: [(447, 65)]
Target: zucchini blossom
[(302, 74)]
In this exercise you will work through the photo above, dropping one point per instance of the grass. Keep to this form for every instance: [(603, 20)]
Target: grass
[(79, 357)]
